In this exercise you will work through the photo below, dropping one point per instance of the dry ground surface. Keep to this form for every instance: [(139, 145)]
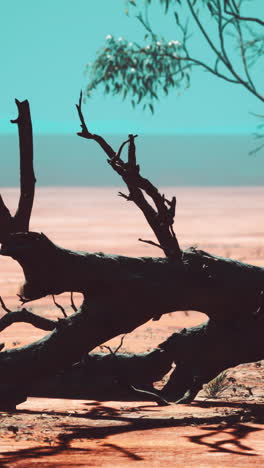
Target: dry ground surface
[(222, 432)]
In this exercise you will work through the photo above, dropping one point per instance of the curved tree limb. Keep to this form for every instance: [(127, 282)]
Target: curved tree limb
[(26, 316)]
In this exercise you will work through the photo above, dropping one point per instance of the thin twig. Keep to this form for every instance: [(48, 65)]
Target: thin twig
[(239, 17), (120, 344), (227, 63), (91, 136), (4, 306), (114, 353), (243, 54), (151, 243), (73, 306), (59, 306), (23, 299), (220, 31), (203, 31), (118, 154), (85, 132), (158, 398), (203, 65), (123, 195), (109, 349)]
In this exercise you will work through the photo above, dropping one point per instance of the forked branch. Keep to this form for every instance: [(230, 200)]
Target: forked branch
[(161, 216), (236, 14)]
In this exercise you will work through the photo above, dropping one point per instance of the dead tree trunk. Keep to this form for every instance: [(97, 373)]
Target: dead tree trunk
[(121, 293)]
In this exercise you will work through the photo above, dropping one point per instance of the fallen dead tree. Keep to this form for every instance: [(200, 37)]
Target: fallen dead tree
[(121, 293)]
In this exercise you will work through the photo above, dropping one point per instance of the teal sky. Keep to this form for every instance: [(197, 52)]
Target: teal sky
[(45, 46)]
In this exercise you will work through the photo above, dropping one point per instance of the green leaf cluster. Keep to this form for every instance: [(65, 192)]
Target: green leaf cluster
[(139, 72)]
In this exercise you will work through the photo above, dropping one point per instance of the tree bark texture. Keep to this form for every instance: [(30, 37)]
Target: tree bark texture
[(121, 293)]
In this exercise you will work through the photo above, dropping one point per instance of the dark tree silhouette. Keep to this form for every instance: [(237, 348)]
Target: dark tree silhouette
[(120, 293)]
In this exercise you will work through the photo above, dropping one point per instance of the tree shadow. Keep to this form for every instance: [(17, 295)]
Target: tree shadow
[(234, 434), (228, 429)]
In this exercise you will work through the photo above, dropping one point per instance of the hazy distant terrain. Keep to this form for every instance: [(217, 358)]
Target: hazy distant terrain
[(196, 160)]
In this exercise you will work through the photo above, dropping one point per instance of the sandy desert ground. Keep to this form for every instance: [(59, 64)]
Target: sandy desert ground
[(226, 221)]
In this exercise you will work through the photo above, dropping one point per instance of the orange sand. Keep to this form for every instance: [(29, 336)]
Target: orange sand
[(224, 221)]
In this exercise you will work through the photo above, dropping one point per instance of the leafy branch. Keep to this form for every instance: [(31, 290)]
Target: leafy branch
[(145, 72)]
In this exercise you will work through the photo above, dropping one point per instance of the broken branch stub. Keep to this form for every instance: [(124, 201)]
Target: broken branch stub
[(20, 221)]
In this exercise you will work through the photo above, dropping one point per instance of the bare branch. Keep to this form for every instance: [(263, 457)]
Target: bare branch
[(85, 132), (123, 195), (150, 242), (152, 395), (120, 344), (91, 136), (59, 306), (23, 300), (4, 306), (221, 55), (114, 353), (27, 176), (204, 32), (160, 218), (26, 316), (108, 349), (73, 306), (241, 18), (20, 222), (118, 154), (132, 152), (195, 61)]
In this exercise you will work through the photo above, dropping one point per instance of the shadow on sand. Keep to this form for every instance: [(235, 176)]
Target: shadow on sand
[(222, 434)]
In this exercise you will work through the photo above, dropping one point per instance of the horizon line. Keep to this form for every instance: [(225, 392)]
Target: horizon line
[(122, 127)]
